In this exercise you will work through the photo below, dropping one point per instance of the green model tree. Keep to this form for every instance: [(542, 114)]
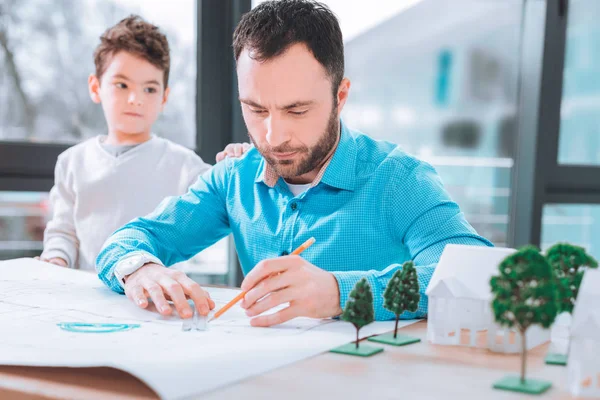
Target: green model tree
[(359, 307), (402, 292), (524, 295), (568, 263)]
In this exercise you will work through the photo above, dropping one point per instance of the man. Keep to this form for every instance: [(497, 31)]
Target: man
[(369, 205)]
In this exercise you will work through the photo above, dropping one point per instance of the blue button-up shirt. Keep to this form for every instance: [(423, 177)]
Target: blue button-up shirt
[(372, 208)]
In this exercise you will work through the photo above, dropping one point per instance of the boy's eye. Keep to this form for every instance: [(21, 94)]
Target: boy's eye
[(257, 111), (121, 85), (150, 90)]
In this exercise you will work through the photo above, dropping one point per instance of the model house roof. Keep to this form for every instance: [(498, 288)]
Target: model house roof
[(465, 271)]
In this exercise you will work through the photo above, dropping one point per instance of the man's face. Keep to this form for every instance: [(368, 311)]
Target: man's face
[(132, 93), (291, 115)]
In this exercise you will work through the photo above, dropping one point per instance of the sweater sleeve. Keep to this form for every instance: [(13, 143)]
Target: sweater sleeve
[(195, 168), (60, 236)]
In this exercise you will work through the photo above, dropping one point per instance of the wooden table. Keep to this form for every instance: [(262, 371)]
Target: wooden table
[(419, 371)]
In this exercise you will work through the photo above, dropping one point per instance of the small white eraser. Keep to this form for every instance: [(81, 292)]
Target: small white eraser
[(201, 322), (187, 325)]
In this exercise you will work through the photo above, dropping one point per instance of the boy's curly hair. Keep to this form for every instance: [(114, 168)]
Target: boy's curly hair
[(138, 37)]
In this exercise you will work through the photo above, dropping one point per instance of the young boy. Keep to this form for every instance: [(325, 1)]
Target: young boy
[(106, 181)]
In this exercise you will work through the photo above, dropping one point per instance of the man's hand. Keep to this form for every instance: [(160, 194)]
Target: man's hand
[(160, 283), (311, 291), (56, 261), (233, 150)]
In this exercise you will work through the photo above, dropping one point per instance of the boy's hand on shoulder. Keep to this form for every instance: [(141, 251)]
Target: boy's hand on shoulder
[(56, 261), (233, 150)]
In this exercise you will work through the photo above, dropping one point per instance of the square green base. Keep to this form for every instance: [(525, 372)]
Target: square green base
[(556, 359), (362, 351), (388, 338), (531, 386)]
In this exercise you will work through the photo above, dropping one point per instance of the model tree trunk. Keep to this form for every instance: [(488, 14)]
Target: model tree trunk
[(357, 329), (523, 354), (396, 327)]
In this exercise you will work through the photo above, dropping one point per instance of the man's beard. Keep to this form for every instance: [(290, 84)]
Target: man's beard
[(312, 158)]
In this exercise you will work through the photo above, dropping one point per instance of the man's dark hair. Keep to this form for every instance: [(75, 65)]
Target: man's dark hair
[(272, 27)]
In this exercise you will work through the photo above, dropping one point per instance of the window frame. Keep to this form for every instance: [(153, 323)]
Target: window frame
[(538, 178)]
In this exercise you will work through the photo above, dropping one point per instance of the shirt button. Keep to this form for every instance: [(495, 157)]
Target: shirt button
[(294, 206), (284, 253)]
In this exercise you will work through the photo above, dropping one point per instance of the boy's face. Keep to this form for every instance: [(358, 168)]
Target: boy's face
[(289, 110), (131, 92)]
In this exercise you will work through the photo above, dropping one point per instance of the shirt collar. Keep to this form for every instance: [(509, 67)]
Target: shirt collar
[(339, 171)]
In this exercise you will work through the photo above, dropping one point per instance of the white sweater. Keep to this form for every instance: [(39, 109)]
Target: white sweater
[(96, 193)]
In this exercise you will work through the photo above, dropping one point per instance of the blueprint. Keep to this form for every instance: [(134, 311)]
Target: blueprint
[(36, 297)]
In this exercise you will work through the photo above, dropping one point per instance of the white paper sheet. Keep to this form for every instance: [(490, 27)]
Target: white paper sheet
[(36, 296)]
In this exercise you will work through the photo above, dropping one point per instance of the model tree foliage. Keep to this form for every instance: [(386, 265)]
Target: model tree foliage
[(568, 263)]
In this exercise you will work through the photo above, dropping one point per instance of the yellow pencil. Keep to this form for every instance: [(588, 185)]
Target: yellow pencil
[(240, 296)]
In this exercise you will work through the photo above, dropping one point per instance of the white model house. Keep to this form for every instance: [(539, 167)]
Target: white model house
[(584, 360), (560, 333), (459, 295)]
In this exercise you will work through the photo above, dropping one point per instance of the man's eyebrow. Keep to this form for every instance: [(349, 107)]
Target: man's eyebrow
[(251, 103), (286, 107), (298, 104)]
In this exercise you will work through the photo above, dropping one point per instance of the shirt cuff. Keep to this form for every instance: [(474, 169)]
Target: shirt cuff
[(63, 247), (58, 253), (346, 281)]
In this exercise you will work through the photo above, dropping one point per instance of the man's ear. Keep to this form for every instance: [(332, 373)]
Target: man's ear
[(165, 98), (342, 94), (94, 88)]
